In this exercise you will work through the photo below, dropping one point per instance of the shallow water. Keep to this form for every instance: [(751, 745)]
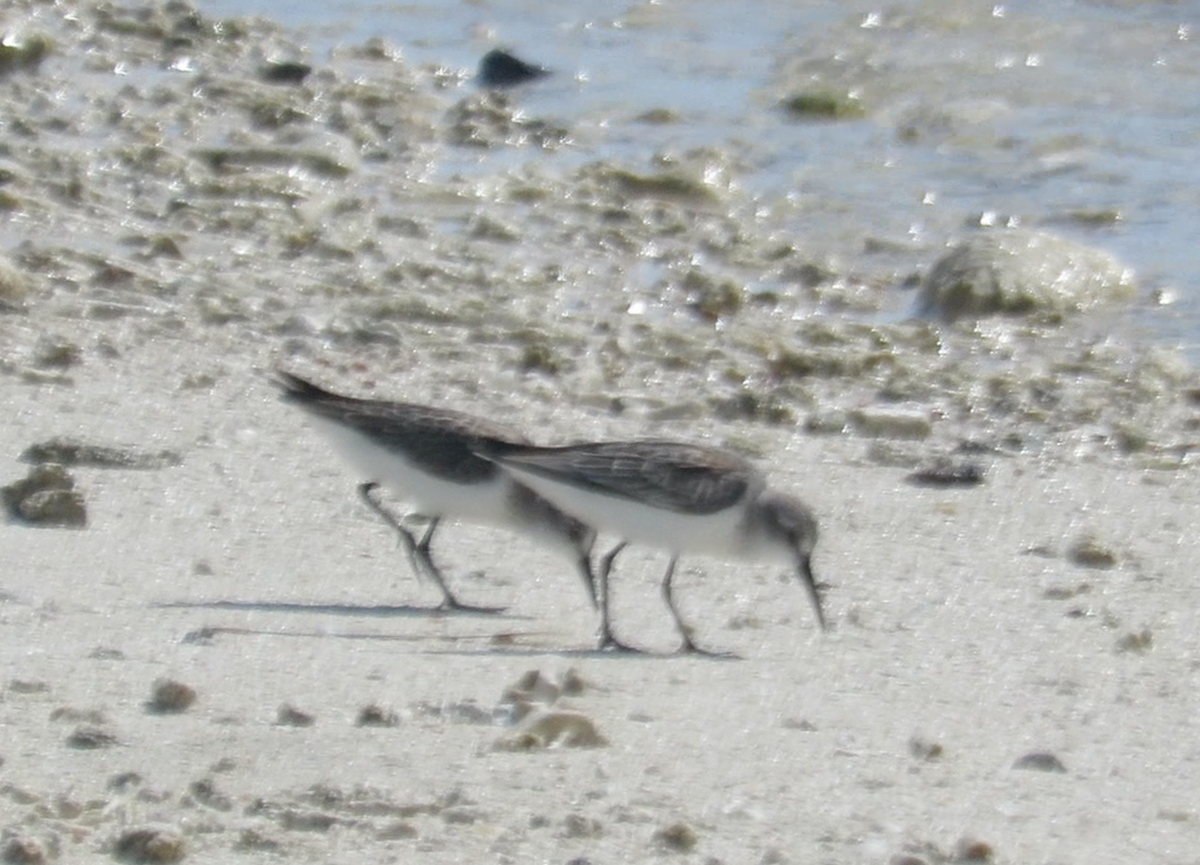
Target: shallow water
[(1078, 116), (719, 261)]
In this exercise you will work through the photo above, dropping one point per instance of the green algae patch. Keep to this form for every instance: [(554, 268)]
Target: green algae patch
[(823, 105), (23, 52)]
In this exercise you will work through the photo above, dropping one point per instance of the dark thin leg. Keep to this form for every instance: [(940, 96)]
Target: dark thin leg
[(418, 551), (608, 640), (684, 630), (406, 537), (589, 579), (425, 555)]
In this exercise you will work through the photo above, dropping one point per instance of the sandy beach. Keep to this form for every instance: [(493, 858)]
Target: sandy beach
[(964, 638), (1012, 669)]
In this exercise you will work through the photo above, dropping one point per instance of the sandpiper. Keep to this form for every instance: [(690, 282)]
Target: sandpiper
[(674, 496), (428, 457)]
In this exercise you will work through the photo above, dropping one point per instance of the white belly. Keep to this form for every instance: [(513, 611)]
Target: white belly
[(484, 502), (718, 534)]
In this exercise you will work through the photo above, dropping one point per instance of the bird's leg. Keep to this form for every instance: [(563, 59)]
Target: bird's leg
[(419, 551), (406, 537), (608, 640), (668, 596), (684, 630), (584, 563), (424, 554)]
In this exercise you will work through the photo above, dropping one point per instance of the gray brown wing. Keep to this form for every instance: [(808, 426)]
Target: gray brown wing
[(442, 441), (668, 475)]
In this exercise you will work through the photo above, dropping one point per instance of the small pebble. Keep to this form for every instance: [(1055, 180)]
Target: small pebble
[(948, 472), (970, 849), (150, 844), (123, 781), (398, 830), (168, 697), (206, 793), (290, 716), (678, 837), (925, 750), (1040, 761), (376, 716), (578, 826)]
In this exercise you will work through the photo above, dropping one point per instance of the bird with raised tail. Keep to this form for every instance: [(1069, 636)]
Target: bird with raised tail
[(429, 457)]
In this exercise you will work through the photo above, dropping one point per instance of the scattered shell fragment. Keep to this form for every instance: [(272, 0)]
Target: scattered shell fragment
[(91, 738), (535, 690), (458, 712), (892, 423), (1137, 643), (68, 451), (46, 497), (79, 716), (63, 508), (1066, 593), (1090, 552), (553, 729)]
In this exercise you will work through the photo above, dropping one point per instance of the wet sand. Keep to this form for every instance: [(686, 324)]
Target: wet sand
[(1012, 666)]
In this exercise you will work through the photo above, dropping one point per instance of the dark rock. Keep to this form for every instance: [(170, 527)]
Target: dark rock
[(947, 472), (1041, 761), (284, 72), (498, 68)]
